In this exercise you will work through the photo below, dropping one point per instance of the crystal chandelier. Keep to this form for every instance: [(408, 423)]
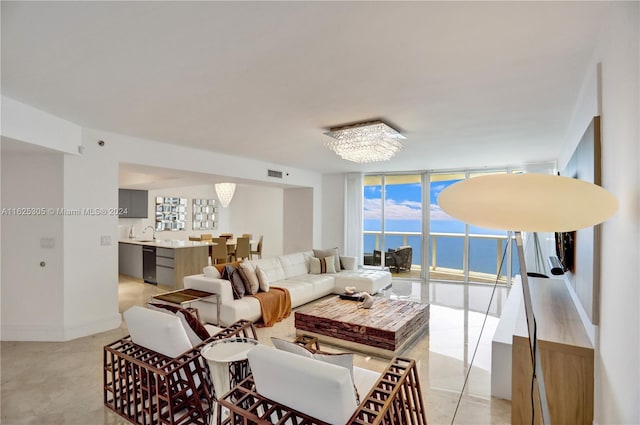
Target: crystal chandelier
[(363, 142), (225, 193)]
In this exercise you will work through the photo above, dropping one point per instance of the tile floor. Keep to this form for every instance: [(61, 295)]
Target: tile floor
[(61, 382)]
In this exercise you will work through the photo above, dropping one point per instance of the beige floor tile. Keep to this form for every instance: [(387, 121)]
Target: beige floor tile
[(50, 383)]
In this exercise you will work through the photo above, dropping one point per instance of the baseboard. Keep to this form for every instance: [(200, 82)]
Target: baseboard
[(79, 330), (32, 333), (58, 333)]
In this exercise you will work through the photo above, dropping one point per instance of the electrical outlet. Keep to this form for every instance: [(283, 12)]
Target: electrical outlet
[(105, 240), (47, 243)]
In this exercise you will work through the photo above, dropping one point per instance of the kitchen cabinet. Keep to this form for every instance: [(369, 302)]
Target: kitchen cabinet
[(134, 202), (173, 260), (165, 267), (130, 260)]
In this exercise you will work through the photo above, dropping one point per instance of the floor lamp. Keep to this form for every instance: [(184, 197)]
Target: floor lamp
[(528, 203)]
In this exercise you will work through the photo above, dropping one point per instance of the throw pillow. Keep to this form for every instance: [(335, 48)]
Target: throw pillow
[(245, 280), (321, 253), (322, 265), (291, 347), (262, 279), (212, 272), (252, 277), (220, 267), (339, 359), (234, 277), (343, 360), (348, 263), (195, 330)]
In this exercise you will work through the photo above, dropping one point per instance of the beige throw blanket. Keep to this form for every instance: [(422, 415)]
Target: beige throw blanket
[(275, 305)]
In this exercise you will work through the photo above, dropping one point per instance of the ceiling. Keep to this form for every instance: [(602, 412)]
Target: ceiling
[(470, 84)]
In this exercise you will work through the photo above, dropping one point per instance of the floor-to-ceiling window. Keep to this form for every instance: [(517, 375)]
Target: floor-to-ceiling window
[(459, 252), (399, 212), (392, 225)]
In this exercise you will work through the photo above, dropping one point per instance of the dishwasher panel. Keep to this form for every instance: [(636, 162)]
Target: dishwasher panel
[(149, 264)]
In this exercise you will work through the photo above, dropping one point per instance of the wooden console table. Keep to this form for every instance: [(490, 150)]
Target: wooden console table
[(567, 358)]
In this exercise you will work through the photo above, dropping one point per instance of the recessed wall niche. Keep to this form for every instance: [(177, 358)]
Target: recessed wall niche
[(204, 214), (171, 213)]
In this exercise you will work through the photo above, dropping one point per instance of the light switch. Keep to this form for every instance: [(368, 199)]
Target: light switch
[(47, 243), (105, 240)]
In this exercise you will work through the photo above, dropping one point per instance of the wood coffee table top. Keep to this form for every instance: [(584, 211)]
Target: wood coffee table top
[(387, 325)]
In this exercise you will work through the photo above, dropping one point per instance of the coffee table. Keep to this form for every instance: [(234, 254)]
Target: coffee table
[(184, 297), (385, 329)]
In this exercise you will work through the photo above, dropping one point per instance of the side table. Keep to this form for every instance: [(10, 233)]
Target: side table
[(228, 363), (184, 297)]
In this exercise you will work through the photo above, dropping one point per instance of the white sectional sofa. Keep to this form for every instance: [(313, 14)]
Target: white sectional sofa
[(290, 271)]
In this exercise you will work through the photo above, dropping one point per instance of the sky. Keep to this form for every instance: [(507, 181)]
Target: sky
[(403, 209)]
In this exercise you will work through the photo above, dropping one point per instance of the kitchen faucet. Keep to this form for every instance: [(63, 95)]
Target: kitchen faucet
[(153, 229)]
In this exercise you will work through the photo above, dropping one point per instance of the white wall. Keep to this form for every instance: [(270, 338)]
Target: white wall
[(618, 348), (205, 191), (90, 268), (32, 296), (23, 122), (298, 219), (617, 392), (333, 213), (254, 209), (258, 210), (90, 180)]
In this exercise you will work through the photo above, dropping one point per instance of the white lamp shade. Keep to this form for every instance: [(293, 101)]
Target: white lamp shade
[(225, 193), (528, 202)]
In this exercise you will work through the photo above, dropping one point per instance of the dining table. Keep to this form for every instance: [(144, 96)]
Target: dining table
[(230, 242)]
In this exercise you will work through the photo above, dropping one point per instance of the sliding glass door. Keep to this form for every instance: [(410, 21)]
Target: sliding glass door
[(447, 241), (393, 216), (464, 253)]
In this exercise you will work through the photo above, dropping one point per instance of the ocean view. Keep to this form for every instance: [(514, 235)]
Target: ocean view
[(482, 252), (403, 226)]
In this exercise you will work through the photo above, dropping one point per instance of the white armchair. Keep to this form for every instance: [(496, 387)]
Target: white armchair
[(291, 389), (156, 376)]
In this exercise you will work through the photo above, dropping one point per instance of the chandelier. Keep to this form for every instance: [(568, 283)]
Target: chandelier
[(371, 141), (225, 193)]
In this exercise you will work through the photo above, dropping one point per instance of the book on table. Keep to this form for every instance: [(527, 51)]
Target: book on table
[(356, 296)]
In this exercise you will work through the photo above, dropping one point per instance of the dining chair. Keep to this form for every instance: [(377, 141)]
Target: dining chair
[(195, 238), (258, 250), (206, 237), (219, 250), (243, 248), (247, 235)]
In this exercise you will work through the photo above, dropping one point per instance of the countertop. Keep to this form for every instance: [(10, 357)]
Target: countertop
[(165, 243)]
